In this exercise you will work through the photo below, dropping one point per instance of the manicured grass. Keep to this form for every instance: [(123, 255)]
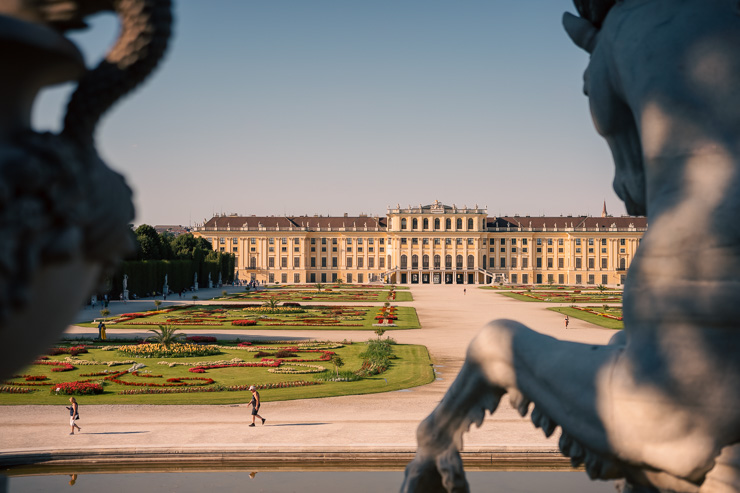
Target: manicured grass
[(411, 368), (593, 318), (566, 297), (345, 317)]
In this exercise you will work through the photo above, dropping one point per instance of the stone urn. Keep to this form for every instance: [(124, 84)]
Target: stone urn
[(64, 214)]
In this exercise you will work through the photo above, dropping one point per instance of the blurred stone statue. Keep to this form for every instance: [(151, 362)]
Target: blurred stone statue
[(64, 214), (660, 405)]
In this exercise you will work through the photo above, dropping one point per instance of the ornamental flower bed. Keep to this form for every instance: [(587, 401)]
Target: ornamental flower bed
[(74, 350), (77, 388), (173, 351), (60, 365), (200, 339)]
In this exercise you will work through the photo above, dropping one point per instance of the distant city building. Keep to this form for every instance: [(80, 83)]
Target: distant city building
[(175, 230), (431, 244)]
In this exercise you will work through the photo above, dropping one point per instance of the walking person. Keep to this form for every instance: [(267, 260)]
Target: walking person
[(74, 413), (567, 320), (255, 403)]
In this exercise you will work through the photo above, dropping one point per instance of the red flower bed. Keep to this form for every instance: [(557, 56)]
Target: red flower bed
[(114, 378), (35, 378), (74, 350), (61, 364), (200, 339), (77, 388), (243, 323), (244, 344)]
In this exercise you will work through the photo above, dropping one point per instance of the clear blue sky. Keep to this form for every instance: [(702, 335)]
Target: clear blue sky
[(330, 106)]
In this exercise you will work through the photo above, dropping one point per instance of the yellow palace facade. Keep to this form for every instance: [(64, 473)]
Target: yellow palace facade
[(431, 244)]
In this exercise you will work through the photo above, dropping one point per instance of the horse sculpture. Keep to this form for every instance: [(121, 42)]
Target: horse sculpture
[(660, 404)]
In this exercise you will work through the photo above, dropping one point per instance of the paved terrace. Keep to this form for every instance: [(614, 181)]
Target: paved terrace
[(372, 429)]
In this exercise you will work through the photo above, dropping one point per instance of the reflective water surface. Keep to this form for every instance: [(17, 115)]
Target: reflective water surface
[(294, 481)]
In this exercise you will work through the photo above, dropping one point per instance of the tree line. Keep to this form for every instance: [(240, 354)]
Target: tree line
[(179, 257)]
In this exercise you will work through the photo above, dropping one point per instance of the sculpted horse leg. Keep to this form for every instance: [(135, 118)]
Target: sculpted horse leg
[(508, 358)]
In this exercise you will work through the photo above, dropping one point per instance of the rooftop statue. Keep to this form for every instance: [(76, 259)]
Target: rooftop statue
[(64, 214), (660, 405)]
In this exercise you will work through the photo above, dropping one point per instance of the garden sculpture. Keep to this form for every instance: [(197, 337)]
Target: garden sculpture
[(659, 405), (64, 214)]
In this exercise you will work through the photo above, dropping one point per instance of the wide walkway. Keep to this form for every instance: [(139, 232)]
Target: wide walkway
[(374, 427)]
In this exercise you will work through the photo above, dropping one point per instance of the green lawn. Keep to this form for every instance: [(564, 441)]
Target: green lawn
[(345, 317), (594, 318), (566, 297), (412, 367)]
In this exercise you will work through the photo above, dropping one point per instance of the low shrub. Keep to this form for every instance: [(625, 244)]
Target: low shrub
[(244, 323), (285, 353)]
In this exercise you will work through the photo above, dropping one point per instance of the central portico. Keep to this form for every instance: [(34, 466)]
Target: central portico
[(437, 244)]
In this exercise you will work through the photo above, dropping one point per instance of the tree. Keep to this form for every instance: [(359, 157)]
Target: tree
[(319, 286), (149, 243), (165, 335), (337, 361), (272, 302), (380, 331), (157, 303), (105, 312)]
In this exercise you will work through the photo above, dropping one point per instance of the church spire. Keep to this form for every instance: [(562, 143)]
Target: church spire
[(603, 210)]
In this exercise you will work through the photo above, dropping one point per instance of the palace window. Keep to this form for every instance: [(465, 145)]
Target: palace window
[(437, 262), (591, 279), (271, 262), (539, 262), (590, 262), (414, 223), (470, 241), (459, 261), (561, 262), (271, 241), (525, 262), (436, 223), (283, 262), (524, 241), (371, 262), (579, 261), (436, 241), (349, 262), (513, 262), (313, 261), (425, 223), (579, 279), (458, 223), (448, 241), (323, 262), (381, 262), (458, 241), (549, 262), (403, 223), (603, 262), (414, 241), (360, 262), (503, 262), (448, 224), (404, 262), (296, 262), (425, 262), (414, 261), (471, 262), (425, 241), (448, 261), (252, 262), (470, 225), (253, 241)]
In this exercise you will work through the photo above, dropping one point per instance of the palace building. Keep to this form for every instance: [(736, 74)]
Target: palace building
[(430, 244)]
